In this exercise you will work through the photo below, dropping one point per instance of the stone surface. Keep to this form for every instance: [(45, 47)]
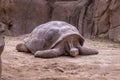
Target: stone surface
[(2, 43), (22, 16), (63, 10), (101, 17), (91, 17), (74, 12), (107, 17), (114, 34)]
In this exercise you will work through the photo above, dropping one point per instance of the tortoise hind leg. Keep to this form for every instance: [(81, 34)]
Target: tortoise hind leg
[(87, 51), (50, 53), (22, 48)]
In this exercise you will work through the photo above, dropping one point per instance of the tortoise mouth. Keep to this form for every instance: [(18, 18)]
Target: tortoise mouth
[(68, 37)]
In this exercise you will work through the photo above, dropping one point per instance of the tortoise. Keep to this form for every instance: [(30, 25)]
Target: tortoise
[(2, 43), (53, 39)]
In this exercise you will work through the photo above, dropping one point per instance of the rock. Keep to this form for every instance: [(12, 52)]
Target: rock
[(101, 17), (2, 43), (91, 17), (107, 17), (63, 10), (114, 34), (86, 20), (74, 12), (22, 16)]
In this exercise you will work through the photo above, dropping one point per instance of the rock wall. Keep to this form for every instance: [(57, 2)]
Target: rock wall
[(91, 17), (22, 16), (106, 18)]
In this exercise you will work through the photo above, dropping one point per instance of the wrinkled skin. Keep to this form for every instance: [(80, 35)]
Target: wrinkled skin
[(2, 43)]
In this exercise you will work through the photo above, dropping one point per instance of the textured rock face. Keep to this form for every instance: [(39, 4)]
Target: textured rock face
[(63, 10), (114, 32), (75, 13), (22, 16), (91, 17), (107, 17), (2, 43)]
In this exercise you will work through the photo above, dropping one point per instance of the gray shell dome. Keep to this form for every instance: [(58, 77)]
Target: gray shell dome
[(48, 35)]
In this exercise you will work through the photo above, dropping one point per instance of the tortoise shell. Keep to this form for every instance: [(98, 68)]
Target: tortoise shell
[(48, 35)]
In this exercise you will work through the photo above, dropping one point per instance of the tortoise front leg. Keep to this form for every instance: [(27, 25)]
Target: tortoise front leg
[(50, 53), (86, 51)]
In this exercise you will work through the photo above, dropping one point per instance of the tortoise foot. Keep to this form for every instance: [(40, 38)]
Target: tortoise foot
[(21, 48)]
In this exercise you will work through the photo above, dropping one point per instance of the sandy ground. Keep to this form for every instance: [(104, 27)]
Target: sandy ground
[(21, 66)]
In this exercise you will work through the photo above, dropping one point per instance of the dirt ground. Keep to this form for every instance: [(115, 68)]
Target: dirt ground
[(21, 66)]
